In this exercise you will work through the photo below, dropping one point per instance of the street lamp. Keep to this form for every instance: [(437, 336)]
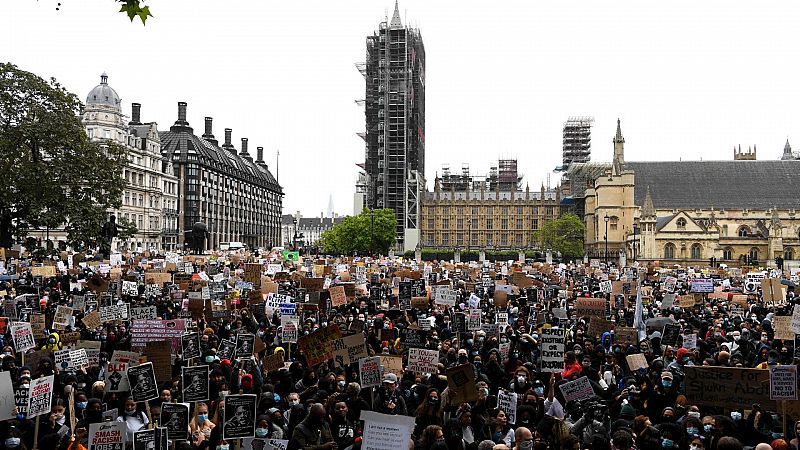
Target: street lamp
[(372, 232), (294, 237), (635, 240), (606, 218)]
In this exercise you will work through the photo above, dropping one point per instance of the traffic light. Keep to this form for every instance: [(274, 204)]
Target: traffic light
[(779, 262)]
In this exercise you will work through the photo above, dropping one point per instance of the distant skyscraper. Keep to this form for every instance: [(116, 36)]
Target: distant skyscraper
[(329, 213), (577, 140), (395, 123)]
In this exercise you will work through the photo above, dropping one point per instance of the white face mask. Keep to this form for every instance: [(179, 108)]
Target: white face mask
[(12, 442), (694, 414), (294, 401)]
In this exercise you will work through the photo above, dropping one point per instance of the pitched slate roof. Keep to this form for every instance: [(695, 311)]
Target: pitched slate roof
[(180, 144), (718, 184)]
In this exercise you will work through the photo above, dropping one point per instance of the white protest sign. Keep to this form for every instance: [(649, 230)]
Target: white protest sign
[(130, 288), (423, 361), (115, 312), (446, 297), (7, 404), (605, 287), (23, 336), (796, 319), (507, 401), (474, 320), (783, 382), (289, 326), (690, 341), (62, 317), (143, 313), (579, 389), (385, 432), (551, 342), (40, 396)]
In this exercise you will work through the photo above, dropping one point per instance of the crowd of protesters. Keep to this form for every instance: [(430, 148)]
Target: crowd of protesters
[(319, 407)]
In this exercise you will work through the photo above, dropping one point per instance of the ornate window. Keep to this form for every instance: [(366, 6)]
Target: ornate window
[(614, 221), (788, 254), (697, 251), (743, 231), (754, 254), (727, 253), (669, 251), (681, 223)]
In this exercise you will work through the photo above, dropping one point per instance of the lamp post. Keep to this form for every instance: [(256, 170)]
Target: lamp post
[(372, 232), (635, 240), (606, 219), (294, 237)]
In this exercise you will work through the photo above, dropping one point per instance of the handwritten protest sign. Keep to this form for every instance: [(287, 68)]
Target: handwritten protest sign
[(590, 307), (552, 345), (369, 370), (422, 360), (579, 389), (349, 349), (318, 346), (23, 337), (385, 432), (507, 401), (392, 364), (338, 296), (446, 297), (636, 361), (728, 387)]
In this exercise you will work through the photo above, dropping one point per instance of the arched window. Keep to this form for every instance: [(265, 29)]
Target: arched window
[(788, 254), (613, 222), (727, 253), (697, 251), (743, 231), (669, 251), (681, 223), (754, 254)]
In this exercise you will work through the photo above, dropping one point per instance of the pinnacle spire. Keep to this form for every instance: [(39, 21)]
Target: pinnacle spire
[(648, 209), (787, 151), (618, 137), (396, 23)]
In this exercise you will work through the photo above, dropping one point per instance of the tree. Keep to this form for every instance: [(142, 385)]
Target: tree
[(563, 235), (53, 175), (360, 234)]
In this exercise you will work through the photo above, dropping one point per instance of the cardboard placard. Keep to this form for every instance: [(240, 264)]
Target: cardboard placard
[(636, 361), (590, 307), (579, 389), (461, 383), (318, 346), (422, 360)]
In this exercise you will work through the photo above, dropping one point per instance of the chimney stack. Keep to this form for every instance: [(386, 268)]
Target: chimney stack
[(228, 144), (182, 112), (260, 155), (209, 134), (244, 153), (136, 109)]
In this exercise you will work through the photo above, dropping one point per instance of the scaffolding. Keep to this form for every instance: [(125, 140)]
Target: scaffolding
[(577, 141), (503, 176)]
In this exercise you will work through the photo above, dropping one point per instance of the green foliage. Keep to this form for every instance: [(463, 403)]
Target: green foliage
[(563, 235), (355, 234), (133, 8), (53, 175)]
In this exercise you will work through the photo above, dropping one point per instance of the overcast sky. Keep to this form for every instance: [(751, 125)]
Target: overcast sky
[(688, 79)]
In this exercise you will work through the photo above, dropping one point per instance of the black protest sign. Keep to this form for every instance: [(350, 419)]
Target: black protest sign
[(226, 349), (460, 323), (195, 383), (190, 343), (175, 418), (418, 289), (142, 379), (670, 334), (244, 345), (405, 291), (240, 414), (413, 338), (144, 440), (21, 399)]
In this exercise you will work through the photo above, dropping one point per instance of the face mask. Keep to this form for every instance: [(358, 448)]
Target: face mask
[(26, 385), (521, 380), (666, 383), (692, 431), (58, 417), (736, 338), (539, 391), (222, 447), (433, 401), (694, 414), (666, 443), (130, 413), (224, 393), (440, 440), (526, 445), (735, 415), (694, 447), (708, 427), (82, 405), (12, 442), (51, 341), (685, 359), (295, 402), (261, 432), (209, 359), (341, 384), (202, 417)]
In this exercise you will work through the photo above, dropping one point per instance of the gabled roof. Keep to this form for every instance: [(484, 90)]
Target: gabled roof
[(718, 184)]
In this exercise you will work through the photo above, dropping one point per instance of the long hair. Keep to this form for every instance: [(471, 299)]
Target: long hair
[(425, 408)]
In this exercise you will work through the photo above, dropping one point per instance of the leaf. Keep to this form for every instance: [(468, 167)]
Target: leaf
[(144, 13)]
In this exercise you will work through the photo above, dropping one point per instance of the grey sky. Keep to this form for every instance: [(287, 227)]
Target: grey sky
[(688, 79)]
